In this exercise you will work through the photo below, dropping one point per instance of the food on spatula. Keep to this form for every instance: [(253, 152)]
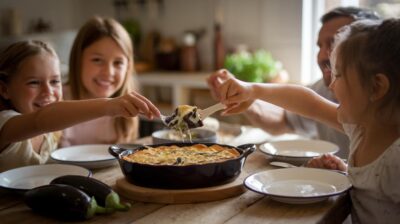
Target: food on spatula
[(185, 117)]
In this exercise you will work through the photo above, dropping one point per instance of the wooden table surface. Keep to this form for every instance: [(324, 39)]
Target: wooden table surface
[(249, 208)]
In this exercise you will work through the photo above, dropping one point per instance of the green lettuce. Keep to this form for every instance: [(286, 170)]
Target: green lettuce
[(252, 67)]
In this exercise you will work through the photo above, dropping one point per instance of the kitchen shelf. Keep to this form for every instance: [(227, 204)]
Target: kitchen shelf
[(181, 83)]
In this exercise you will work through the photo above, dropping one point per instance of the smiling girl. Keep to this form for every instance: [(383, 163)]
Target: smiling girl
[(101, 65), (31, 92)]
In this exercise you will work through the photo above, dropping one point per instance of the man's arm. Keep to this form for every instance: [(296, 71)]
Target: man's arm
[(268, 117)]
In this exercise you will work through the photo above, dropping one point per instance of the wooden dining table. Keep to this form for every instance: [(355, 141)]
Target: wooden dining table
[(249, 207)]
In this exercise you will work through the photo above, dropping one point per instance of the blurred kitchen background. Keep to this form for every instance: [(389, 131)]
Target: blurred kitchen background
[(179, 42)]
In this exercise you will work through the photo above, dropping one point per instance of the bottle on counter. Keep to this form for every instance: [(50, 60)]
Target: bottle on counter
[(219, 47), (189, 57)]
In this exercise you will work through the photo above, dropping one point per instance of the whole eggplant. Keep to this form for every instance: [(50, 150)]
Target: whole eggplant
[(62, 202), (104, 195)]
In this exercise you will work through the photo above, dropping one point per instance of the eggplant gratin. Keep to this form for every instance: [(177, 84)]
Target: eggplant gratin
[(181, 156), (184, 118)]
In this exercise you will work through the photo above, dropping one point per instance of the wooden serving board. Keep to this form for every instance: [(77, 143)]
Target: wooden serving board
[(168, 196)]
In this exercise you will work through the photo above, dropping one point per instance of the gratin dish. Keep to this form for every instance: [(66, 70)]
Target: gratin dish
[(178, 176)]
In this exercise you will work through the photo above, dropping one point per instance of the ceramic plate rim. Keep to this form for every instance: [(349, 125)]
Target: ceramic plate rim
[(21, 169), (80, 161), (292, 156), (297, 197)]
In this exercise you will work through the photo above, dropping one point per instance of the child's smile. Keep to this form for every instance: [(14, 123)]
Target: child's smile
[(43, 103), (36, 84), (104, 68)]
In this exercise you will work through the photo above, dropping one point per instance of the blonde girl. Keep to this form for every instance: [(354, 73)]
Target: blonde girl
[(101, 65), (31, 106), (365, 80)]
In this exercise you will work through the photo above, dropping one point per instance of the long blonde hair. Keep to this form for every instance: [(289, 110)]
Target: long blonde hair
[(10, 61), (12, 57), (95, 29)]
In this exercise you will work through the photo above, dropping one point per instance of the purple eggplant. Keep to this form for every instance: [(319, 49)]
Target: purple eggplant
[(63, 202), (103, 194)]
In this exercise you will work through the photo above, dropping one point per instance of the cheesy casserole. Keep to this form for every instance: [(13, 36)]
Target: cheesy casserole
[(185, 155)]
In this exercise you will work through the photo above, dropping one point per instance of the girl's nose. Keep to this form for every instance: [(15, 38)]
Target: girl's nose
[(332, 84), (109, 69), (46, 89)]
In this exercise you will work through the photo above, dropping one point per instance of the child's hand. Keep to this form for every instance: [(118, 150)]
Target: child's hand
[(215, 82), (132, 104), (236, 95), (327, 161)]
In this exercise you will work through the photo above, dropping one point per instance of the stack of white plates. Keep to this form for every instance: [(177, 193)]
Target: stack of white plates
[(297, 151)]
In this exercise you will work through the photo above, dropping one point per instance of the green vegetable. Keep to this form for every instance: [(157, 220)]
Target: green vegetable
[(133, 28), (256, 67)]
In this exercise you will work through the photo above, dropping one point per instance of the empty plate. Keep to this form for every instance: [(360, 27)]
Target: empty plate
[(89, 156), (297, 151), (28, 177), (298, 185)]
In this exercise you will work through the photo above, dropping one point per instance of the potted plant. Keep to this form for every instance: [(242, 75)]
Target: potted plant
[(253, 67)]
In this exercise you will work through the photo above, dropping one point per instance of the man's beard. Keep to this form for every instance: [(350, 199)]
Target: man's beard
[(325, 67)]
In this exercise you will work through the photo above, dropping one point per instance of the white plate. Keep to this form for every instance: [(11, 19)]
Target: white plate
[(28, 177), (89, 156), (298, 185), (297, 151)]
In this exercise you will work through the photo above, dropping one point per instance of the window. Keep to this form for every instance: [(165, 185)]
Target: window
[(312, 12)]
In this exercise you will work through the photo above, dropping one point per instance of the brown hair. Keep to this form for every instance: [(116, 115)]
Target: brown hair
[(12, 57), (373, 48), (95, 29), (355, 13)]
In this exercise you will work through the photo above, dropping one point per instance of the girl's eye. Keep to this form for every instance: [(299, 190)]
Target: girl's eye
[(119, 63), (96, 60), (33, 82), (55, 82)]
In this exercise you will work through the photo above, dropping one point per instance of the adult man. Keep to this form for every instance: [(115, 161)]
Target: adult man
[(274, 119)]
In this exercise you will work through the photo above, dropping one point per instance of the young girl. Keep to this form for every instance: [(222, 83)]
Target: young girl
[(30, 91), (101, 65), (365, 80)]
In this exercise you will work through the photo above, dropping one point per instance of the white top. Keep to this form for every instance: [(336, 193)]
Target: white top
[(314, 129), (21, 153), (376, 186)]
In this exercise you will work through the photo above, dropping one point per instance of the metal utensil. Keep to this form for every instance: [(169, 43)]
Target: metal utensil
[(282, 164), (288, 165)]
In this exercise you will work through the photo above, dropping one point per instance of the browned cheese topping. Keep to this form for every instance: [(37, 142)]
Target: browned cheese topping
[(187, 155)]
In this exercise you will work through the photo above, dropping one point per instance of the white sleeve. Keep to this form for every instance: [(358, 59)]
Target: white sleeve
[(390, 183), (5, 115)]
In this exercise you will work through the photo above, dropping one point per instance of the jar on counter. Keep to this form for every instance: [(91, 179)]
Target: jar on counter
[(189, 55), (219, 48)]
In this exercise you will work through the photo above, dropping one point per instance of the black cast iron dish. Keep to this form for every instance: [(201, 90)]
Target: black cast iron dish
[(181, 177)]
